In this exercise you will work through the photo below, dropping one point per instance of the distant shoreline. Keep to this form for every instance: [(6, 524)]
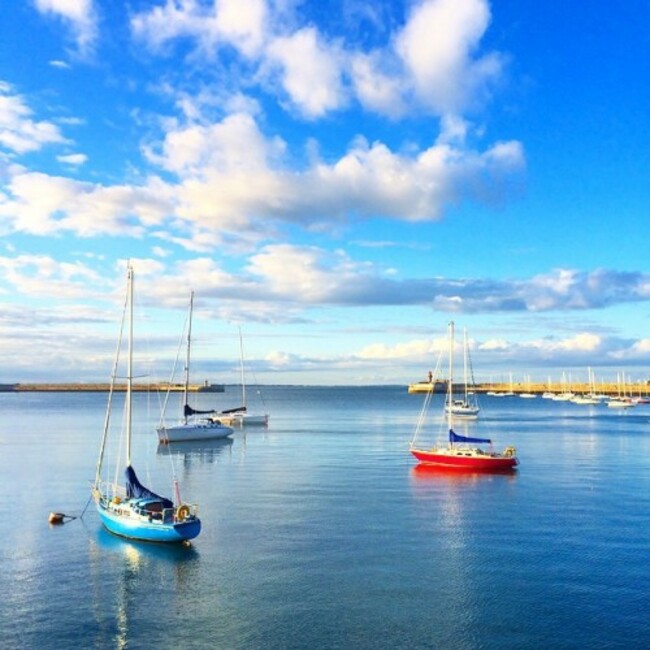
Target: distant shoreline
[(105, 387), (418, 387)]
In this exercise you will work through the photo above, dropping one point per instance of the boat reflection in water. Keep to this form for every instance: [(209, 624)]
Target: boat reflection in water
[(121, 605), (138, 554), (452, 474), (203, 451)]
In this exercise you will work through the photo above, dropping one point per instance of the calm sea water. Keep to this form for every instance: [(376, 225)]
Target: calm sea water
[(318, 532)]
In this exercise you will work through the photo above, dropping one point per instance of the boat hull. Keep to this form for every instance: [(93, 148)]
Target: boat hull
[(193, 431), (244, 419), (465, 459), (133, 528), (465, 414)]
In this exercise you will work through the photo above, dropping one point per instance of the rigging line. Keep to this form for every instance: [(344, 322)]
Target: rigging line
[(427, 400), (471, 375), (111, 393), (181, 346), (246, 369), (422, 417), (257, 388), (83, 512)]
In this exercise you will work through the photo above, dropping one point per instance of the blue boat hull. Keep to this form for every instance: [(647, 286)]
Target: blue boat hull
[(149, 532)]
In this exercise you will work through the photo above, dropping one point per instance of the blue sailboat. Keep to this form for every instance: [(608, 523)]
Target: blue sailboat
[(130, 509)]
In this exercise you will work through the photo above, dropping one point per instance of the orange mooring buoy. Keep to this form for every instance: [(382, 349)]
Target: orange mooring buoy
[(56, 517)]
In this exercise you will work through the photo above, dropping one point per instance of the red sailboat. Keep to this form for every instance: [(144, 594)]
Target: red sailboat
[(461, 452)]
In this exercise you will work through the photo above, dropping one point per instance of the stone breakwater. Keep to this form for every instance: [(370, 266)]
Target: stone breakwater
[(630, 390), (102, 387)]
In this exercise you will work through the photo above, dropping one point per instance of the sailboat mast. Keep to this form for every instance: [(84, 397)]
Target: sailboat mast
[(111, 392), (451, 372), (186, 388), (465, 364), (129, 378), (241, 362)]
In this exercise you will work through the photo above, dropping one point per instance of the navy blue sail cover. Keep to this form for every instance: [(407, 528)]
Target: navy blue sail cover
[(188, 410), (239, 409), (135, 489), (454, 437)]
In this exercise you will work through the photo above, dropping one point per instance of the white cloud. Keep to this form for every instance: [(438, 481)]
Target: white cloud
[(175, 19), (232, 145), (310, 71), (376, 89), (368, 181), (437, 46), (304, 274), (79, 15), (63, 65), (374, 181), (219, 160), (45, 205), (19, 132), (243, 24), (494, 344), (73, 159), (432, 63), (238, 23), (44, 276), (582, 342), (408, 350)]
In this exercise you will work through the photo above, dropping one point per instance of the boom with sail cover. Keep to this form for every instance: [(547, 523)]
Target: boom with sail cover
[(135, 489), (188, 410), (455, 437)]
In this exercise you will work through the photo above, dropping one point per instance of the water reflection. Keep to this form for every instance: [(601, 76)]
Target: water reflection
[(423, 472), (202, 451), (130, 579), (138, 554)]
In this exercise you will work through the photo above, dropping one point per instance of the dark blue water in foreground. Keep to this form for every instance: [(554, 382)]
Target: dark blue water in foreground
[(319, 533)]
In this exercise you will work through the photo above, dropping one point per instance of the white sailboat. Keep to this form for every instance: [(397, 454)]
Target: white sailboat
[(192, 427), (590, 397), (528, 394), (621, 401), (132, 510), (240, 416), (566, 393), (548, 394), (466, 408)]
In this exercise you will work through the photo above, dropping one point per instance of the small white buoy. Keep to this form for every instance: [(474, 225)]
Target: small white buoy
[(56, 517)]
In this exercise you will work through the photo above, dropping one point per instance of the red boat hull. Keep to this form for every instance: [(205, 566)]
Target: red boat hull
[(487, 462)]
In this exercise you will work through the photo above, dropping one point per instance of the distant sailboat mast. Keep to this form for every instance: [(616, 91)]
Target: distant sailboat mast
[(450, 392), (465, 353), (186, 388), (241, 368)]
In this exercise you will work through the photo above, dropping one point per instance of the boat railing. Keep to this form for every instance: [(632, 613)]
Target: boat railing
[(180, 513), (110, 491)]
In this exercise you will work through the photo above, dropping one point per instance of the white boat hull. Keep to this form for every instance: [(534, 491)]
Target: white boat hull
[(204, 430), (244, 419)]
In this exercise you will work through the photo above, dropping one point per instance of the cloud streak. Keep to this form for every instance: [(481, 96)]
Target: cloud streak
[(79, 16), (19, 132), (306, 276)]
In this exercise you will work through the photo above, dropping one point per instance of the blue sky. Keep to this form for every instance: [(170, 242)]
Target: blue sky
[(338, 178)]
